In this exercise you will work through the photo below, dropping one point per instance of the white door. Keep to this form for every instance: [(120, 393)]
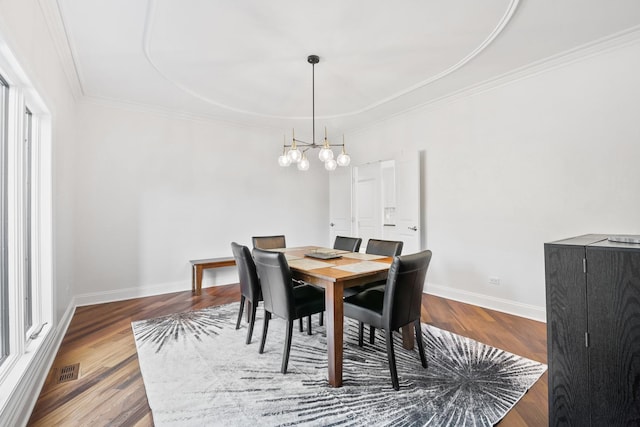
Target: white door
[(368, 212), (407, 168), (339, 203)]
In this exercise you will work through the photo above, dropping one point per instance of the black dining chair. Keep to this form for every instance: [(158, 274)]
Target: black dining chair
[(351, 244), (277, 242), (388, 248), (384, 247), (282, 299), (250, 291), (269, 242), (396, 306)]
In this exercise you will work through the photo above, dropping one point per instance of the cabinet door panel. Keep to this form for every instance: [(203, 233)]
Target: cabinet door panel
[(566, 328), (613, 292)]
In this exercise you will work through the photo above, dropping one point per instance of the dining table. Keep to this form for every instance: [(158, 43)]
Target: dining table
[(334, 271)]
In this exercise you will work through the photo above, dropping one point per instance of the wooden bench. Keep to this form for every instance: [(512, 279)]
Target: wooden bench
[(199, 265)]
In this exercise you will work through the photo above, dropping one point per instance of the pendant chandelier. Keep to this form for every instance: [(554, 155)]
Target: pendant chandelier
[(296, 151)]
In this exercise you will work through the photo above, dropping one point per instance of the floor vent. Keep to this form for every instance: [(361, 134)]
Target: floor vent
[(67, 373)]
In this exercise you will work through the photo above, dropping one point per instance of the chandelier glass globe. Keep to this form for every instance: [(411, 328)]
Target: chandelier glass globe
[(330, 165), (303, 165), (284, 160), (294, 155), (343, 159), (325, 154)]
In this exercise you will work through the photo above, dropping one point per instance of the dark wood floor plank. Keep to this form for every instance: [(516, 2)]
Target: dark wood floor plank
[(110, 390)]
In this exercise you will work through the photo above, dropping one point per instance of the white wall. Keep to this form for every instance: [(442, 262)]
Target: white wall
[(154, 192), (542, 158)]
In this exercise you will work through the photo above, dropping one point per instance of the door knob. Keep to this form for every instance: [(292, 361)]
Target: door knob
[(414, 228), (332, 224)]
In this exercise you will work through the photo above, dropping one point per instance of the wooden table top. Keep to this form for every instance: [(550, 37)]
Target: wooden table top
[(369, 264)]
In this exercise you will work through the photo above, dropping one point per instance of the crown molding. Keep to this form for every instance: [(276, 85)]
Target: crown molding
[(58, 31), (584, 52), (581, 53)]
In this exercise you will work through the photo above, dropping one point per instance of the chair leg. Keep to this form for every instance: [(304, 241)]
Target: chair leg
[(372, 335), (321, 319), (252, 321), (300, 322), (242, 298), (360, 333), (249, 305), (308, 325), (392, 360), (418, 329), (287, 347), (267, 316)]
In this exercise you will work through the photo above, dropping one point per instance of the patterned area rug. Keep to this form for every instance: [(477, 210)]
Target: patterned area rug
[(197, 371)]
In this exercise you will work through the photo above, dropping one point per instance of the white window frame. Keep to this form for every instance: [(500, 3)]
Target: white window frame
[(4, 303), (25, 345)]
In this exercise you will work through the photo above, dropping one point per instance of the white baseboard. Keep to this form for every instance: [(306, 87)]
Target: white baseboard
[(138, 292), (129, 293), (499, 304), (35, 370)]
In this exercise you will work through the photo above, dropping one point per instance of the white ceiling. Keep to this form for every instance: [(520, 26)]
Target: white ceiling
[(245, 61)]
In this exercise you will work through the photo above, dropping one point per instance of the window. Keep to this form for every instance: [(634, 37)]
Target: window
[(4, 287), (26, 258)]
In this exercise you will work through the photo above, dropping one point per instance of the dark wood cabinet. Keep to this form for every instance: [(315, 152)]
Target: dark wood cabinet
[(593, 331)]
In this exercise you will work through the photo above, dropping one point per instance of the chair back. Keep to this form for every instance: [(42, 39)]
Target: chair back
[(351, 244), (249, 283), (269, 242), (384, 247), (403, 293), (276, 282)]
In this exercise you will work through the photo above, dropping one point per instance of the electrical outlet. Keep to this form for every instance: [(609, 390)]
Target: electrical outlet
[(494, 281)]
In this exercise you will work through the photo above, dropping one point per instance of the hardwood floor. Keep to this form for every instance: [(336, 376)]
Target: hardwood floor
[(110, 391)]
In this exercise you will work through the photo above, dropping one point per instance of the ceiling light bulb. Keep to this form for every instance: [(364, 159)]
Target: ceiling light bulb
[(344, 159), (284, 160), (330, 165), (294, 155), (303, 165), (325, 154)]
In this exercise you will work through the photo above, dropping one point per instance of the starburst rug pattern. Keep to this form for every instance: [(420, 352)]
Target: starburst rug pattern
[(198, 371)]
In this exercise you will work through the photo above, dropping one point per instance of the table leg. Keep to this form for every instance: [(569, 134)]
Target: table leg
[(334, 308), (198, 279), (193, 278), (408, 336)]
